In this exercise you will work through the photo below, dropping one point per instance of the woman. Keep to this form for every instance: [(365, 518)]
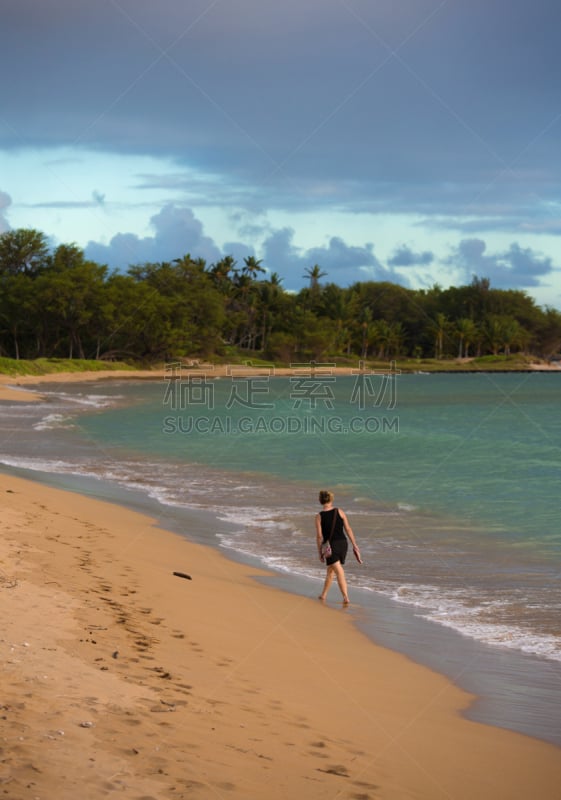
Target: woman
[(332, 525)]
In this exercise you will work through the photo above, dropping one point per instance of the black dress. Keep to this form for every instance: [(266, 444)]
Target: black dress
[(338, 541)]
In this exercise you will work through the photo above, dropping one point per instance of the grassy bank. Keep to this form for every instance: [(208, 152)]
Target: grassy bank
[(513, 363), (51, 366)]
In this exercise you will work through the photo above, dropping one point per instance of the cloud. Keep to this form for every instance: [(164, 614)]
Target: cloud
[(238, 250), (343, 263), (176, 232), (515, 267), (405, 257), (97, 201), (5, 203), (267, 95), (256, 111)]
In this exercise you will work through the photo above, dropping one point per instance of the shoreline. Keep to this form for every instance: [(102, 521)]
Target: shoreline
[(10, 385), (195, 687)]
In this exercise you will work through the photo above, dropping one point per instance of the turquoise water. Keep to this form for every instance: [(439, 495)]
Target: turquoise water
[(450, 481), (484, 448)]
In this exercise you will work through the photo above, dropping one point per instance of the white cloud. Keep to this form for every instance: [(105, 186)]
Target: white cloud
[(176, 232)]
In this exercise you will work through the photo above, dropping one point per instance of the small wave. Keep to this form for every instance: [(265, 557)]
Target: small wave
[(455, 610), (406, 507), (92, 400), (52, 421), (21, 389), (40, 465)]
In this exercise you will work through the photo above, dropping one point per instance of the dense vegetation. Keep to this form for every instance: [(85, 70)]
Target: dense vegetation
[(57, 304)]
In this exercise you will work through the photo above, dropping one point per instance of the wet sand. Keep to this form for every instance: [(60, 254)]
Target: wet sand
[(120, 677)]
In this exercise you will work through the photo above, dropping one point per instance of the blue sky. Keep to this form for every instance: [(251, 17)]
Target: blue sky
[(415, 141)]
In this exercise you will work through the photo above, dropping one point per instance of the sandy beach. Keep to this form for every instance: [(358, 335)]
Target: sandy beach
[(21, 387), (120, 677)]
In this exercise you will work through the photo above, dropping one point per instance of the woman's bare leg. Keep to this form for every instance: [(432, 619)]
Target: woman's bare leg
[(341, 580), (328, 582)]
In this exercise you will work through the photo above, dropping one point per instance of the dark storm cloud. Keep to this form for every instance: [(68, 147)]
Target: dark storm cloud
[(418, 95)]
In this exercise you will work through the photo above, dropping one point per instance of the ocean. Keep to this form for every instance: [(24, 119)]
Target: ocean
[(449, 481)]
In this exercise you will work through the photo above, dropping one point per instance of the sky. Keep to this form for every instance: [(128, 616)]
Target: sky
[(414, 141)]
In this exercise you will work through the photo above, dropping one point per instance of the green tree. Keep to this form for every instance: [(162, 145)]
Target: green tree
[(395, 339), (270, 299), (70, 291), (548, 333), (467, 334), (252, 267), (335, 305), (493, 333), (24, 250), (439, 328), (314, 274), (381, 337), (222, 273), (17, 308)]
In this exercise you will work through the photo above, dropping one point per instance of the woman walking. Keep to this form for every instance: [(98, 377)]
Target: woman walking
[(331, 526)]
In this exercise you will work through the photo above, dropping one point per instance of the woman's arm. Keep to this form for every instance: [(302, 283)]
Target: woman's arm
[(319, 536)]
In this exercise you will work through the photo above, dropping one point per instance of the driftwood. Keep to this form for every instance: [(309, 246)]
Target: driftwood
[(183, 575)]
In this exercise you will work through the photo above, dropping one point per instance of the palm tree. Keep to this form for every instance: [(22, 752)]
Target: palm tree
[(270, 294), (467, 332), (314, 274), (366, 326), (252, 267), (382, 337), (494, 333), (512, 333), (396, 337), (222, 272), (439, 328)]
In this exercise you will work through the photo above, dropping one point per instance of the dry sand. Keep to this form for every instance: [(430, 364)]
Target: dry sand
[(120, 678)]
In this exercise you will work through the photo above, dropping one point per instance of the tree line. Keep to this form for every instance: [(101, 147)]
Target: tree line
[(56, 303)]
